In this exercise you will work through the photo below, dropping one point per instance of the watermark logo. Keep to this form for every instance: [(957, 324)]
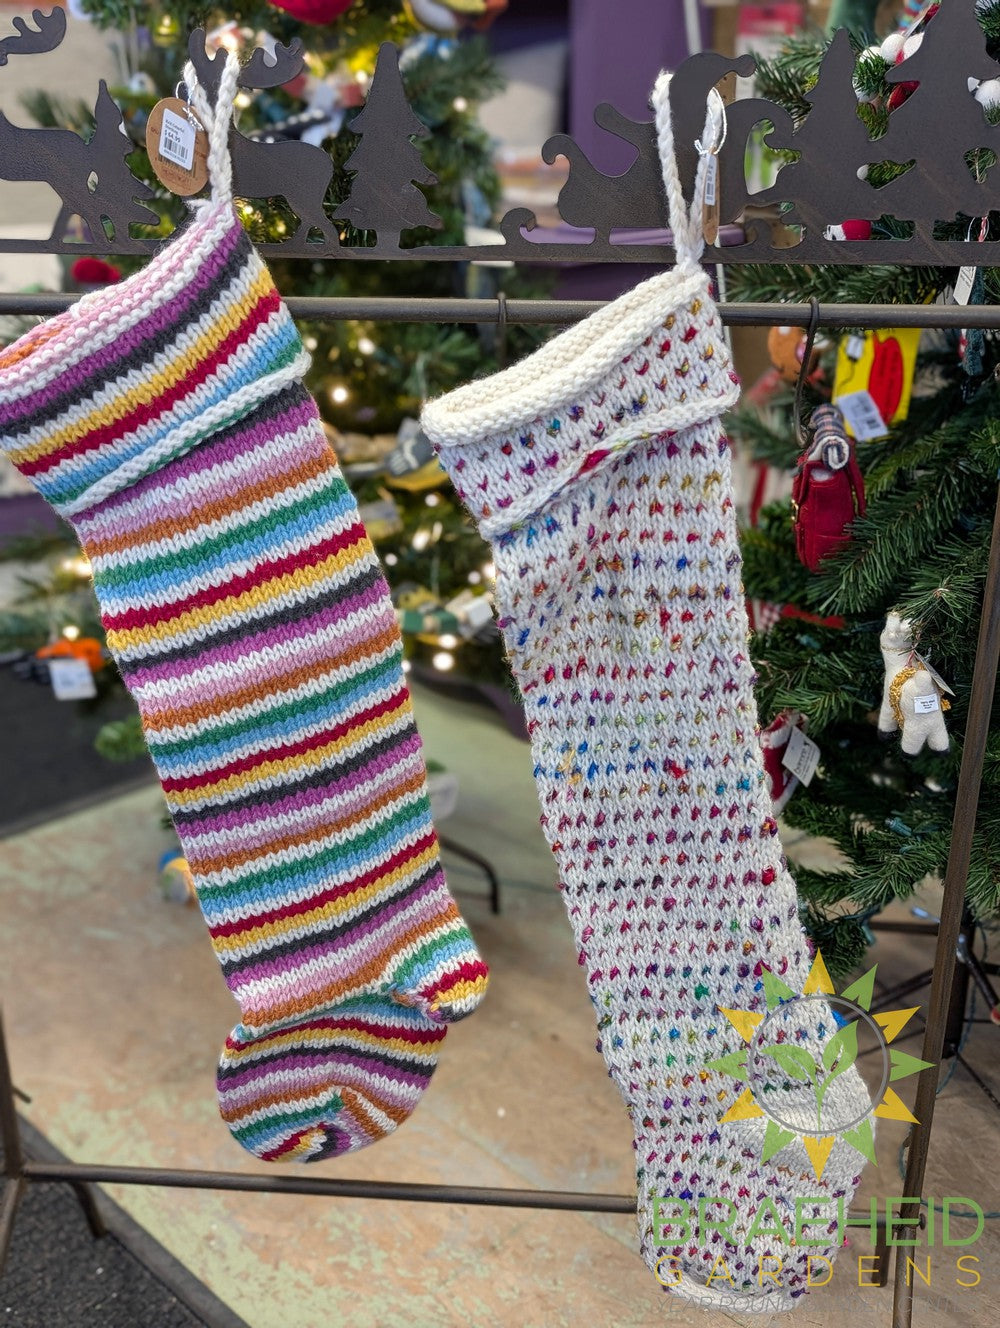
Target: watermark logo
[(780, 1053)]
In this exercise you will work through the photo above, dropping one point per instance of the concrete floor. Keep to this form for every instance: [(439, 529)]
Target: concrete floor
[(116, 1011)]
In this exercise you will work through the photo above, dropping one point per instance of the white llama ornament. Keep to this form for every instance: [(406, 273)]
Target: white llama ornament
[(912, 702)]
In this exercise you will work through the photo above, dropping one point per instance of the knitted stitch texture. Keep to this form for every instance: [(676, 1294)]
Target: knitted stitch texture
[(599, 470), (247, 613)]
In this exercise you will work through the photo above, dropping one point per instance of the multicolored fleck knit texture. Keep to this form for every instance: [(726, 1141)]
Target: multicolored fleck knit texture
[(249, 618), (599, 470)]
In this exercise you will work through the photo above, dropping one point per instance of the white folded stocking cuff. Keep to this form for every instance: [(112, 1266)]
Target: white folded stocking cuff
[(650, 363)]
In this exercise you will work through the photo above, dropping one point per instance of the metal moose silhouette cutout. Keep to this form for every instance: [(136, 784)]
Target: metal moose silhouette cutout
[(936, 136), (91, 178)]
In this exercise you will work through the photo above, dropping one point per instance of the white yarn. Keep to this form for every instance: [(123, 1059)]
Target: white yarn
[(189, 433), (564, 368), (217, 120)]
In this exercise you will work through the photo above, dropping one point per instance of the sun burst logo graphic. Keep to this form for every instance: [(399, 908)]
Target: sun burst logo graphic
[(771, 1058)]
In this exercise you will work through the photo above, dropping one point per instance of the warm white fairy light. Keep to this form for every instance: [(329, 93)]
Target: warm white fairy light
[(443, 661), (474, 578), (390, 560), (421, 539), (432, 499), (71, 633), (460, 104), (407, 666), (242, 100), (448, 641), (310, 343), (490, 571), (79, 566), (339, 394), (366, 346)]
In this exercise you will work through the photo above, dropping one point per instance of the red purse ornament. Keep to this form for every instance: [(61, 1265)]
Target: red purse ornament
[(828, 491)]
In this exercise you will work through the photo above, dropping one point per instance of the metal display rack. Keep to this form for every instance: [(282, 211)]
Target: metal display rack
[(617, 219)]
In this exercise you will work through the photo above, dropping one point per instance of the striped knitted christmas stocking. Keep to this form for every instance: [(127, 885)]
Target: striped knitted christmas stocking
[(598, 470), (247, 613)]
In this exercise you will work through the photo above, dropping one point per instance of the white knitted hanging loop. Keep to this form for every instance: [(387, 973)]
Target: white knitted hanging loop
[(217, 120), (685, 222)]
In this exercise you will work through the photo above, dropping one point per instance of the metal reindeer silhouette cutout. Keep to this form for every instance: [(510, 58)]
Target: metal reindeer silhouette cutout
[(938, 134), (91, 176), (290, 169)]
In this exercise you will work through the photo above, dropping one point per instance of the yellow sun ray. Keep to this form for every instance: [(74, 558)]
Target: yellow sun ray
[(745, 1022), (818, 1150), (892, 1107), (892, 1022), (744, 1108), (818, 979)]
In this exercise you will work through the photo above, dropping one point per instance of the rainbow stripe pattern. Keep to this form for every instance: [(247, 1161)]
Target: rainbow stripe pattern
[(248, 615)]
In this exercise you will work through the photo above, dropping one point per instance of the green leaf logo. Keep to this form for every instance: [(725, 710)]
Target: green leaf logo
[(795, 1061), (839, 1055)]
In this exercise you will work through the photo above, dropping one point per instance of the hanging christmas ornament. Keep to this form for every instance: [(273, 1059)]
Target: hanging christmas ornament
[(786, 347), (492, 11), (165, 30), (913, 695), (316, 12), (412, 464), (828, 491), (445, 17), (899, 46), (776, 742)]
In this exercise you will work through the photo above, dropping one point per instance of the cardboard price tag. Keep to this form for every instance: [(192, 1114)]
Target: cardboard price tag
[(710, 208), (801, 756), (71, 679), (177, 146)]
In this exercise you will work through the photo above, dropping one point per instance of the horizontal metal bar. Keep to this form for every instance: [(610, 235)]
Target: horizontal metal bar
[(908, 928), (559, 312), (396, 1191), (347, 1189)]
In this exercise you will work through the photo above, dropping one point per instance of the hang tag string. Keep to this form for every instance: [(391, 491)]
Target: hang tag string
[(685, 222), (217, 120)]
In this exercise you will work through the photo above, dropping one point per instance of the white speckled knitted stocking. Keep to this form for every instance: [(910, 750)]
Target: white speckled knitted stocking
[(598, 469)]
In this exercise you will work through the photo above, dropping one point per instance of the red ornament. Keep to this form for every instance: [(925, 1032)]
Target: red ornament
[(314, 11), (94, 272), (828, 491), (774, 742)]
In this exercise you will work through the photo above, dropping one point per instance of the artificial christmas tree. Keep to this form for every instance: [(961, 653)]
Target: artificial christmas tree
[(920, 548), (367, 377)]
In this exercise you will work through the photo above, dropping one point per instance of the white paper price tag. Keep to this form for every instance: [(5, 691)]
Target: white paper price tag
[(925, 705), (177, 140), (711, 179), (855, 347), (862, 415), (963, 284), (72, 679), (801, 756), (939, 682)]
